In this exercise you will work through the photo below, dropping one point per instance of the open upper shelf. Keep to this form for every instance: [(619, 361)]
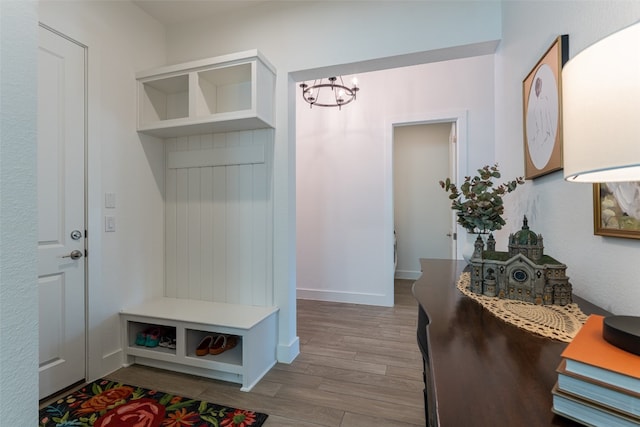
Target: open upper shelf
[(221, 94)]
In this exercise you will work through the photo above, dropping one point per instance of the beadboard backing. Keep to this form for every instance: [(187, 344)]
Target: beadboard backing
[(219, 216)]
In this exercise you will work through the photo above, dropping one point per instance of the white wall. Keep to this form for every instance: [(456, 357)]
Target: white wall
[(127, 266), (284, 32), (18, 214), (344, 171), (604, 270), (303, 35)]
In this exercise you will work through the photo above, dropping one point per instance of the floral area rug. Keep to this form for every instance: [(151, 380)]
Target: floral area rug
[(561, 323), (105, 403)]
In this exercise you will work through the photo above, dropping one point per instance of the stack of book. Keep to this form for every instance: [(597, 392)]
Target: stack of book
[(598, 383)]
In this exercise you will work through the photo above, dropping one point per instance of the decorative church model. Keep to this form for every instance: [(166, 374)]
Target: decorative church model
[(523, 273)]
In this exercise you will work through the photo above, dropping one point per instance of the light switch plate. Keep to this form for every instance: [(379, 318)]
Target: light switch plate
[(110, 200), (109, 223)]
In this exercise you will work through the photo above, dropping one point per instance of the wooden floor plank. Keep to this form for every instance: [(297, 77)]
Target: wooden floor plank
[(359, 420), (354, 404), (375, 392), (373, 368), (388, 382)]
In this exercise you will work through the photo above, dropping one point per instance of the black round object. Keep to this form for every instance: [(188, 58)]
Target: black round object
[(623, 332)]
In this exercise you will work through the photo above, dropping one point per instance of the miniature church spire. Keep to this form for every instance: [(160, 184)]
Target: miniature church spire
[(491, 243), (478, 246)]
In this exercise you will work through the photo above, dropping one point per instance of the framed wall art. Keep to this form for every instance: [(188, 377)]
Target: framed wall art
[(616, 209), (542, 111)]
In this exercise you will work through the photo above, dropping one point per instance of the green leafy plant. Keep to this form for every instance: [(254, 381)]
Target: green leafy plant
[(478, 201)]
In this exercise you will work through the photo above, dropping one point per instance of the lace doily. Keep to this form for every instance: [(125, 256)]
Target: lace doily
[(561, 323)]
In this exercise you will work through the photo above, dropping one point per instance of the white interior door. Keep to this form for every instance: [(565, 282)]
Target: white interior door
[(61, 211)]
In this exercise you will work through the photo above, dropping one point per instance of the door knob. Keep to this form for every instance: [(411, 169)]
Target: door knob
[(74, 255)]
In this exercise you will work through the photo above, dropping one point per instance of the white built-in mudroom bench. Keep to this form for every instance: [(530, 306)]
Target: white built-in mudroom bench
[(190, 321), (215, 118)]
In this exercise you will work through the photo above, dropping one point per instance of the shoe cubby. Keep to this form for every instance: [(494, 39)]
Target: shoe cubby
[(137, 329), (222, 94), (191, 320), (232, 356)]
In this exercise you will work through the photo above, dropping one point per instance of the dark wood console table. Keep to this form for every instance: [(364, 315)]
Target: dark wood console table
[(479, 370)]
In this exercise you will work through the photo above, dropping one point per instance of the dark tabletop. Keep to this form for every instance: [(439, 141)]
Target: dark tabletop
[(486, 372)]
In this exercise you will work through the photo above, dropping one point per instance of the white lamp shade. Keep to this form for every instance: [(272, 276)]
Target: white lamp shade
[(601, 110)]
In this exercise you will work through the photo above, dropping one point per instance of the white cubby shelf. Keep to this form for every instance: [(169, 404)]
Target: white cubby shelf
[(221, 94), (192, 320)]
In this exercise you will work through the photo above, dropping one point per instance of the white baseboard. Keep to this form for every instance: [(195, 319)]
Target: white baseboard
[(108, 363), (345, 297), (287, 353), (408, 274)]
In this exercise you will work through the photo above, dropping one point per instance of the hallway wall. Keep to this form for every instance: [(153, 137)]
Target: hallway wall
[(603, 270), (18, 213)]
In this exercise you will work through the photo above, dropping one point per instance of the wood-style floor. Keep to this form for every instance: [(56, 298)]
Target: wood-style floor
[(358, 366)]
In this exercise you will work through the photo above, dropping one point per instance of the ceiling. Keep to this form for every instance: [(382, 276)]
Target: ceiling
[(177, 11), (170, 12)]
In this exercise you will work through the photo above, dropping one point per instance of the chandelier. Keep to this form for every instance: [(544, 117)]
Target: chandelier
[(331, 94)]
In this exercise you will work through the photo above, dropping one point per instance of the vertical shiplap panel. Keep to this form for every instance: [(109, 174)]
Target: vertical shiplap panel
[(219, 219), (219, 238), (170, 224), (259, 227), (206, 224), (182, 226), (245, 231), (269, 154), (234, 225), (194, 225)]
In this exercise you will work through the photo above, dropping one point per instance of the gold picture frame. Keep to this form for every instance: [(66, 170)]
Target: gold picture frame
[(616, 209), (542, 111)]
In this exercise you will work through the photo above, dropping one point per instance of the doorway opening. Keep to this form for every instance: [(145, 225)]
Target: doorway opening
[(422, 156)]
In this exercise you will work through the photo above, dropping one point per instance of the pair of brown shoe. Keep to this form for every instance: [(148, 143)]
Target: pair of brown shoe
[(216, 344)]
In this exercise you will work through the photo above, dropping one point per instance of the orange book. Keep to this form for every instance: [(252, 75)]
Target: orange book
[(588, 354)]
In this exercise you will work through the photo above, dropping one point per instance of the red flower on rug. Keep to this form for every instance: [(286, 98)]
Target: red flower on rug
[(105, 400), (137, 413), (239, 418)]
